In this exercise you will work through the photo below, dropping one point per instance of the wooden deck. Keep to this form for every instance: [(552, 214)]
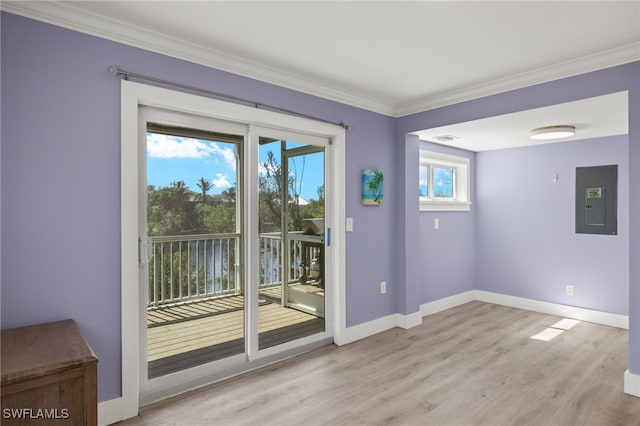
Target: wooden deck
[(190, 334)]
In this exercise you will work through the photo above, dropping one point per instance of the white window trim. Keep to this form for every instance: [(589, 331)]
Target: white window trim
[(462, 180)]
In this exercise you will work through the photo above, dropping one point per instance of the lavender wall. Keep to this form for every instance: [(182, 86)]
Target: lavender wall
[(447, 255), (407, 255), (633, 83), (526, 240), (615, 79), (60, 184), (61, 176), (369, 257), (431, 264)]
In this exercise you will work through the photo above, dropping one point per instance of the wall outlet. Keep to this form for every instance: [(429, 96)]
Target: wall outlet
[(383, 287), (569, 290)]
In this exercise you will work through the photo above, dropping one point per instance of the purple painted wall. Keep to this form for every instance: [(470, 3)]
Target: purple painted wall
[(407, 240), (61, 176), (526, 240), (620, 78), (60, 192), (369, 257), (60, 185), (447, 255)]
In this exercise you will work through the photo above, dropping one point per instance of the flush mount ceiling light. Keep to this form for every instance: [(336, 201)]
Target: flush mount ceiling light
[(552, 132), (445, 138)]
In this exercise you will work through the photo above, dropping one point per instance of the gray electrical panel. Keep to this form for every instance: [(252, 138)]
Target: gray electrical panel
[(597, 200)]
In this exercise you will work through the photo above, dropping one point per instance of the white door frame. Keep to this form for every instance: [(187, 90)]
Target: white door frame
[(253, 247), (134, 95)]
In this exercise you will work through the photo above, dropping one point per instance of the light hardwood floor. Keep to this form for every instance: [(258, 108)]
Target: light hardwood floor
[(475, 364)]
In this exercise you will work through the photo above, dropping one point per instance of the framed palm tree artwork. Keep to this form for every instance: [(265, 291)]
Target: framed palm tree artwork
[(372, 187)]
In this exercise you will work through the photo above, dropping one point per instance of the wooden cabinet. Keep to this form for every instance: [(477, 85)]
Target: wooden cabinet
[(49, 376)]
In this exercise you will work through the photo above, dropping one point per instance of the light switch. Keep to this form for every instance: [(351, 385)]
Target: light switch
[(349, 224), (436, 223)]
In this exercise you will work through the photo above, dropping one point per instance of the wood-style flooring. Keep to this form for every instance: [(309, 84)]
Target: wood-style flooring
[(475, 364)]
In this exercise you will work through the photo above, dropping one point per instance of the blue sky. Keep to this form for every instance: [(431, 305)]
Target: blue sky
[(442, 181), (172, 158)]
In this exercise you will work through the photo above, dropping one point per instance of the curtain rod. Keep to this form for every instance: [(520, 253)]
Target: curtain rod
[(127, 75)]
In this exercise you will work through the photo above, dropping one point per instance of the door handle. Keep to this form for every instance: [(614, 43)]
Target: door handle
[(145, 250)]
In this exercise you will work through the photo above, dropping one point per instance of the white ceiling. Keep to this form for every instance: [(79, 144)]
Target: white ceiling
[(391, 57), (595, 117)]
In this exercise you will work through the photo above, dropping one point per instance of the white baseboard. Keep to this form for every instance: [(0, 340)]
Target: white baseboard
[(409, 321), (110, 412), (631, 384), (379, 325), (589, 315), (447, 303), (369, 328)]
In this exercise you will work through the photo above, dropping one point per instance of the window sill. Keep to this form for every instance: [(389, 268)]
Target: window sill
[(445, 206)]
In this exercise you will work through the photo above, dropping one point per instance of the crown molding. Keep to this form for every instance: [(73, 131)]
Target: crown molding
[(68, 16), (71, 17), (601, 60)]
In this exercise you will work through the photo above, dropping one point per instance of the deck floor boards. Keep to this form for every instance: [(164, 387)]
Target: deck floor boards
[(191, 334)]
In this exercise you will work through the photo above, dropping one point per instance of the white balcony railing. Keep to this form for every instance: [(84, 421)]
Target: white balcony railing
[(193, 267), (185, 268), (302, 249)]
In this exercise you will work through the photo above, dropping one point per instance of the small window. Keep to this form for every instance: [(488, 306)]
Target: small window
[(443, 186), (424, 181), (444, 182)]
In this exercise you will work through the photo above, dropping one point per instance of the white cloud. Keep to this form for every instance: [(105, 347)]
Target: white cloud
[(264, 168), (227, 154), (221, 181), (166, 146)]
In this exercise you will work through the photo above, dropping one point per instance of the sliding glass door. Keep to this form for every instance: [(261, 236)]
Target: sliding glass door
[(233, 247), (193, 247), (227, 256), (291, 226)]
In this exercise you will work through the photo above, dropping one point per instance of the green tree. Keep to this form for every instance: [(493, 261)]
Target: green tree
[(320, 192), (204, 186), (219, 218), (315, 208), (170, 210), (270, 194), (229, 195), (375, 185), (173, 210)]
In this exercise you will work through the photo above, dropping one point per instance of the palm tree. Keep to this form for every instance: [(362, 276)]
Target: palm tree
[(204, 186), (375, 185), (179, 195), (229, 195)]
